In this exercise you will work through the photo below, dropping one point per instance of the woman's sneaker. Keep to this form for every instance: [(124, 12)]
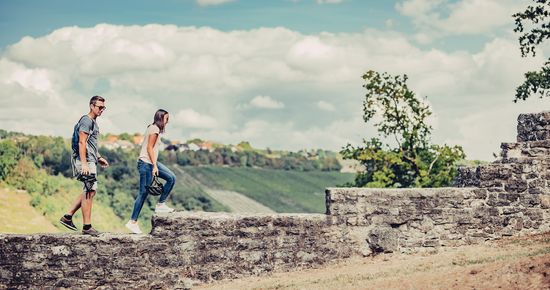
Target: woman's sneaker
[(163, 208), (133, 227)]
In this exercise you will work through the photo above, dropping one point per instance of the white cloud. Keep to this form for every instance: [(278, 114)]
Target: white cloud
[(266, 102), (325, 106), (461, 17), (329, 1), (417, 8), (203, 76), (264, 134), (490, 128), (423, 38), (212, 2), (189, 118)]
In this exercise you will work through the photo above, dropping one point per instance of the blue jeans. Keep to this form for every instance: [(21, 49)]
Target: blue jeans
[(145, 177)]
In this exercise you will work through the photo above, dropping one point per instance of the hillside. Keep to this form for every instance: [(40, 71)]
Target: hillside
[(19, 216), (279, 190), (25, 212), (221, 189), (225, 178)]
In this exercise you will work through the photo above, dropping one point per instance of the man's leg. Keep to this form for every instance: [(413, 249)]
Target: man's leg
[(87, 200), (67, 219), (76, 205)]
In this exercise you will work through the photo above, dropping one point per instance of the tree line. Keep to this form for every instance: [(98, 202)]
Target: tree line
[(224, 156)]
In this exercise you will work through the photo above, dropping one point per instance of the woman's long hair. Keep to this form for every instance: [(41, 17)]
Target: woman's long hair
[(159, 119)]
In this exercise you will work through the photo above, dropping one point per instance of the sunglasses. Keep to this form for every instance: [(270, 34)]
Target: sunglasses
[(101, 108)]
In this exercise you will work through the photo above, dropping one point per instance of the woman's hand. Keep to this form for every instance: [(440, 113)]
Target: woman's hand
[(155, 170)]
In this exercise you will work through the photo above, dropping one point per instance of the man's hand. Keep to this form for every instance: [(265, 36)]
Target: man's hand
[(85, 169), (155, 170), (103, 162)]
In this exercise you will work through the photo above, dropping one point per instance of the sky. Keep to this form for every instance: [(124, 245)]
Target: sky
[(283, 74)]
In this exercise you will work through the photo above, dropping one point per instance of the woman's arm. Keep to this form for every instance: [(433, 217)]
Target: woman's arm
[(150, 144)]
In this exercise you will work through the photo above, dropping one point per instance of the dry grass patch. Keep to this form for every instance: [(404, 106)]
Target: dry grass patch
[(514, 263)]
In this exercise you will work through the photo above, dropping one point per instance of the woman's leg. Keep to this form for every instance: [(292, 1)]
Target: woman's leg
[(166, 174), (145, 177)]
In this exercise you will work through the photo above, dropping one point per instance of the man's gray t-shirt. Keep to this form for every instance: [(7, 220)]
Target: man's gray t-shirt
[(88, 125)]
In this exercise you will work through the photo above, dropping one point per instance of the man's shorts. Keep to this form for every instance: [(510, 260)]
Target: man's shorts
[(93, 170)]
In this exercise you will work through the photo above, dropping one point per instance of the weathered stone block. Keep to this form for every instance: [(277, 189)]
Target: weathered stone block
[(516, 185), (383, 240)]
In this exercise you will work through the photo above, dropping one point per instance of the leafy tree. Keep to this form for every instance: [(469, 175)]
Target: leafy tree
[(125, 136), (52, 153), (537, 18), (400, 117), (9, 155), (245, 146)]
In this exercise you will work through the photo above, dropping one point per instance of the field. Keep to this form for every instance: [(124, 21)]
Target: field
[(513, 263), (280, 190)]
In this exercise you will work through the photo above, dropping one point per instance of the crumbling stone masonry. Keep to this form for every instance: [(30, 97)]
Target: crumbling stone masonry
[(508, 197)]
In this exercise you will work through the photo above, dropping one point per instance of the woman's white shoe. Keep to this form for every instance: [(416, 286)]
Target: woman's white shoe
[(133, 227), (163, 208)]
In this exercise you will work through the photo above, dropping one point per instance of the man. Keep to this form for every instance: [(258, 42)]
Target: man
[(85, 160)]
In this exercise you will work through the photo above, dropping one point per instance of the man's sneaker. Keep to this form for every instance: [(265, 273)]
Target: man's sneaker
[(163, 208), (133, 227), (91, 232), (68, 223)]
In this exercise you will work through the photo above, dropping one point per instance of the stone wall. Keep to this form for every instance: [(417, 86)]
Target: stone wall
[(182, 247), (76, 261), (534, 127), (522, 166), (231, 245), (405, 220), (507, 197)]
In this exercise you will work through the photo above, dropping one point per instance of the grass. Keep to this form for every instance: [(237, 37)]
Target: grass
[(24, 209), (18, 216), (282, 191), (520, 263)]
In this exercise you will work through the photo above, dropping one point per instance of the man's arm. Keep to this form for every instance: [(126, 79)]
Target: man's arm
[(102, 161), (82, 141)]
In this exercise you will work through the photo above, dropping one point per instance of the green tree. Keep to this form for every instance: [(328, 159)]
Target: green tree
[(401, 119), (9, 155), (126, 137), (245, 146), (534, 25)]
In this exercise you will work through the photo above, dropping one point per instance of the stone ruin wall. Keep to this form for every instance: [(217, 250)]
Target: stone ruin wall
[(510, 196)]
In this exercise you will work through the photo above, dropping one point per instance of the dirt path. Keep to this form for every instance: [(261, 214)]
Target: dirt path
[(235, 201), (516, 263)]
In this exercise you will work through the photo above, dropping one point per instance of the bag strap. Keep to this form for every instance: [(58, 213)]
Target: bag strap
[(155, 180), (75, 153)]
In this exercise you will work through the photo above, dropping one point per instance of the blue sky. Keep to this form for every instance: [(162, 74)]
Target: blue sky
[(37, 18), (281, 74)]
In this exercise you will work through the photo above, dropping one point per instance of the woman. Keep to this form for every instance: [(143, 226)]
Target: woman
[(149, 166)]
